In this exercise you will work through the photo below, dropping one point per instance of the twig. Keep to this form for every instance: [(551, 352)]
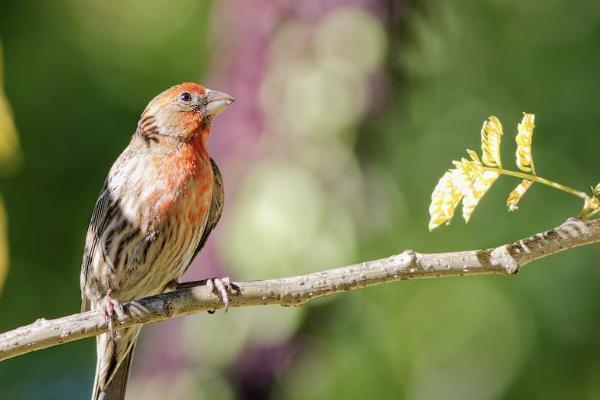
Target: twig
[(294, 291)]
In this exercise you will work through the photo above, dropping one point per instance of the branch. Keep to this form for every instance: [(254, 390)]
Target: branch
[(294, 291)]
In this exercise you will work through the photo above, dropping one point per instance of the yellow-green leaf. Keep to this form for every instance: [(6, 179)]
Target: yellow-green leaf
[(515, 196), (491, 136), (473, 182), (591, 207), (524, 138), (444, 199), (473, 155)]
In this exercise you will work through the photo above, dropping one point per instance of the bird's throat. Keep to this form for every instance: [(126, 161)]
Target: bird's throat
[(198, 141)]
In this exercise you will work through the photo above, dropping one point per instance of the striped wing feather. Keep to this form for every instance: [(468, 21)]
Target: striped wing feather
[(216, 207)]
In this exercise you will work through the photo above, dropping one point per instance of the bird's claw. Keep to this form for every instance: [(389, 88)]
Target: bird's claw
[(110, 308), (221, 287)]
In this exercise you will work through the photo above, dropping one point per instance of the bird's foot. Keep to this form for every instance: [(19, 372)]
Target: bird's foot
[(110, 308), (221, 287)]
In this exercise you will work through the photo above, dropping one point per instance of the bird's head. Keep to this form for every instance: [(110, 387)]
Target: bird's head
[(183, 111)]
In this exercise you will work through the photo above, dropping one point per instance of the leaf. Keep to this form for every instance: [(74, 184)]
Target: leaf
[(491, 136), (591, 207), (596, 190), (473, 182), (515, 196), (524, 138), (473, 155), (444, 199)]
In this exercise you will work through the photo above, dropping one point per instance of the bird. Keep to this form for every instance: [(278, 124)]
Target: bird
[(159, 203)]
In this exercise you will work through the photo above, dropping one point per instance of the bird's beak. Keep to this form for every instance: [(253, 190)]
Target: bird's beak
[(217, 102)]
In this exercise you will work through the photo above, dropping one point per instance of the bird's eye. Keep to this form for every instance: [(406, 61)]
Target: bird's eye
[(185, 96)]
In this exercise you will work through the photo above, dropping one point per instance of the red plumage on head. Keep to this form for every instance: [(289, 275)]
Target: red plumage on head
[(191, 87), (189, 124)]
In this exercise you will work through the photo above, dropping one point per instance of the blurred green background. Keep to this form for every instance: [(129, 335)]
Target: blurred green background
[(347, 113)]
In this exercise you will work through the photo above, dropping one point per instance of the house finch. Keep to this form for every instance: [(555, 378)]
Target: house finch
[(160, 201)]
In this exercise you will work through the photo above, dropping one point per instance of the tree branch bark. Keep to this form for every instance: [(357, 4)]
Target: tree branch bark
[(297, 290)]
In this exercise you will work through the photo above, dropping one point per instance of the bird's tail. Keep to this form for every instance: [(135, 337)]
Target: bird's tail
[(117, 384)]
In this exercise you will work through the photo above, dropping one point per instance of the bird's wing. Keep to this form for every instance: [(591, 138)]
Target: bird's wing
[(105, 205), (216, 207)]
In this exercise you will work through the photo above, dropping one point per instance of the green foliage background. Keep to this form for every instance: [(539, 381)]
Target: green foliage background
[(77, 75)]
